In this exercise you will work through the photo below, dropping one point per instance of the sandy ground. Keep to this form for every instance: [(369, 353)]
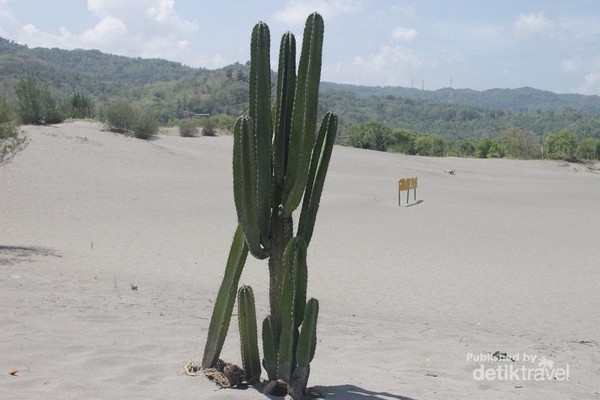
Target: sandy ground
[(502, 256)]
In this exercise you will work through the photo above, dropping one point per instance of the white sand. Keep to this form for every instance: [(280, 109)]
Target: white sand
[(503, 256)]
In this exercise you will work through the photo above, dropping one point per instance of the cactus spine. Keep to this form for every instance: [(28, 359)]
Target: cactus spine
[(279, 160)]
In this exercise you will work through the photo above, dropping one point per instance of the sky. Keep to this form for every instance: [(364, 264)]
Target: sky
[(478, 44)]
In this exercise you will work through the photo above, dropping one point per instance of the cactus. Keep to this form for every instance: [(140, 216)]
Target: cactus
[(248, 339), (305, 352), (269, 349), (280, 159), (219, 323)]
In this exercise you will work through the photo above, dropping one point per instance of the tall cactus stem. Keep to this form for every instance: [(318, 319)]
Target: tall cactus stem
[(285, 360), (284, 106), (308, 336), (248, 335), (293, 298), (305, 112), (316, 176), (260, 113), (269, 349), (245, 184), (305, 351), (221, 316), (282, 227)]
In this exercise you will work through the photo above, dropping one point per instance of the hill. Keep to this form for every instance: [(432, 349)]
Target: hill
[(519, 100), (171, 91)]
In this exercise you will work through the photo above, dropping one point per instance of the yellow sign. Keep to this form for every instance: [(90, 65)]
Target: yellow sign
[(406, 184)]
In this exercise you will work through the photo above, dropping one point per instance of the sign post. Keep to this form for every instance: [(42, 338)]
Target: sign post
[(406, 184)]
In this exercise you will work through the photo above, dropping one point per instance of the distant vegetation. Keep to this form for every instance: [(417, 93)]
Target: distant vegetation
[(49, 85)]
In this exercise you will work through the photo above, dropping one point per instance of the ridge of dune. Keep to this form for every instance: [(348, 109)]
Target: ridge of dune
[(502, 256)]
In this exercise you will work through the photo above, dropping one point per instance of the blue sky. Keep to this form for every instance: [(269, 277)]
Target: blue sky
[(479, 44)]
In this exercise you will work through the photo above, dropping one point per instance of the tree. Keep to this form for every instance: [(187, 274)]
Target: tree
[(520, 144), (430, 145), (36, 105), (371, 135), (489, 148), (589, 149), (403, 141), (7, 119), (561, 145), (81, 106)]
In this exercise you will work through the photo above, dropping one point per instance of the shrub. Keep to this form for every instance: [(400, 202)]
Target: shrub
[(120, 116), (371, 135), (80, 106), (403, 141), (8, 124), (489, 148), (589, 149), (209, 128), (188, 128), (36, 105), (430, 145), (224, 122), (144, 126), (520, 144), (561, 145)]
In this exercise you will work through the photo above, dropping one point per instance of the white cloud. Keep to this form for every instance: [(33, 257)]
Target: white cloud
[(404, 34), (591, 83), (533, 24), (157, 32), (571, 65), (295, 11), (390, 65)]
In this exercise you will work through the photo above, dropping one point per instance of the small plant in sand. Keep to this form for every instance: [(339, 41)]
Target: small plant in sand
[(188, 128), (279, 161)]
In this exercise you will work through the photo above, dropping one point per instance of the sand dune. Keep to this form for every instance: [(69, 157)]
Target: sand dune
[(502, 256)]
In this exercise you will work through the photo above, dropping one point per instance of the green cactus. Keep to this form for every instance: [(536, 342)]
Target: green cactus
[(219, 323), (279, 160), (304, 120), (305, 351), (269, 349), (248, 339)]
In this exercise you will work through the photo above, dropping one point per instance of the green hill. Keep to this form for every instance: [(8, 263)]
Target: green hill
[(170, 90)]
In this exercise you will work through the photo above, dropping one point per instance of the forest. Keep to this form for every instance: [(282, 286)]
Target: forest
[(461, 122)]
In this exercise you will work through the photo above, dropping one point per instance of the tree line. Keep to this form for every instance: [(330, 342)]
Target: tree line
[(514, 143)]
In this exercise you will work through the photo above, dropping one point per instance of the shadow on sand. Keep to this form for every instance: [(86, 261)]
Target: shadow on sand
[(10, 255), (414, 204), (343, 392), (351, 392)]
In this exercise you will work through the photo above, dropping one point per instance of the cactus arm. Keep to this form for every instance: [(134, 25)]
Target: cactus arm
[(286, 341), (300, 275), (269, 349), (316, 176), (248, 339), (286, 82), (221, 316), (305, 351), (282, 227), (293, 293), (308, 335), (260, 114), (245, 184), (305, 112)]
